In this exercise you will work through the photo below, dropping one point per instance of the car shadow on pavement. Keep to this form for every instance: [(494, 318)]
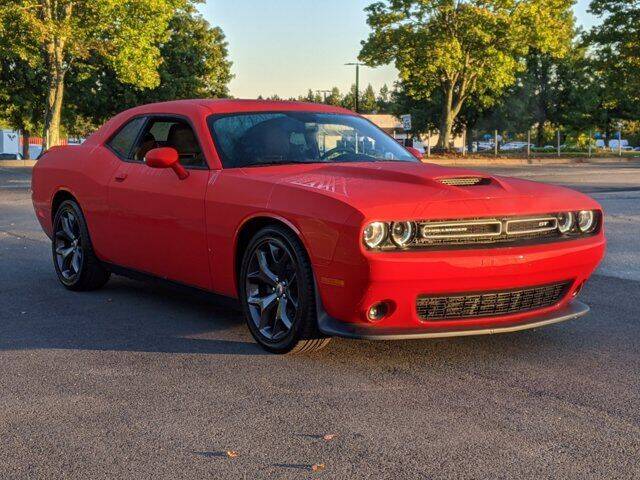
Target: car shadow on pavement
[(126, 316)]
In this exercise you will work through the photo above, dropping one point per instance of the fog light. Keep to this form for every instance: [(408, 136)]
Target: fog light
[(377, 311)]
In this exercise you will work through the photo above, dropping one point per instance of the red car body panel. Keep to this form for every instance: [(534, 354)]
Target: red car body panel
[(187, 231)]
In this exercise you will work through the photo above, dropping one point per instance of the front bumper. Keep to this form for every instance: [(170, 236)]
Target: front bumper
[(347, 289), (335, 328)]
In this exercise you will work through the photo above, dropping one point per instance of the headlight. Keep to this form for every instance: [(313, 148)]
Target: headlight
[(565, 221), (402, 233), (375, 234), (586, 221)]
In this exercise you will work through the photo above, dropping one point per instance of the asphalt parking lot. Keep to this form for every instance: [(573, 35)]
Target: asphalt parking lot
[(138, 381)]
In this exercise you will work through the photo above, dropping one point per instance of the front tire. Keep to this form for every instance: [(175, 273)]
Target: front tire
[(277, 293), (76, 264)]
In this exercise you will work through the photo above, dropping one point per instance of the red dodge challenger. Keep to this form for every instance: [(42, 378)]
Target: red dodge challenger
[(317, 221)]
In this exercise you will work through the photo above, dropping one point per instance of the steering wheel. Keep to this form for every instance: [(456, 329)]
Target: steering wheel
[(335, 152)]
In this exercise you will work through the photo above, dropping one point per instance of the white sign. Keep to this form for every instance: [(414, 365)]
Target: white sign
[(9, 142), (406, 122)]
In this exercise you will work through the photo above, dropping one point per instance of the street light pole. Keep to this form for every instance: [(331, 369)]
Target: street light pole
[(357, 99)]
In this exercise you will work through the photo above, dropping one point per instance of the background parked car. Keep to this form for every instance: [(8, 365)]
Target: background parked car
[(623, 144), (514, 146), (10, 156)]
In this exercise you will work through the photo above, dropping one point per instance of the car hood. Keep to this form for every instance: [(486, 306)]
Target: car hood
[(402, 190)]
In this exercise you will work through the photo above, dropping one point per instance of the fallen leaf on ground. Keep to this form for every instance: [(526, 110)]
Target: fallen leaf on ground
[(232, 453), (329, 436), (318, 467)]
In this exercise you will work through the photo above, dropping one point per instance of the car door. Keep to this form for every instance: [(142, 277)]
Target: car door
[(156, 220)]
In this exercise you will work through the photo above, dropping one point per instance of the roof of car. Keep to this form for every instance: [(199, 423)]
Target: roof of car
[(226, 105)]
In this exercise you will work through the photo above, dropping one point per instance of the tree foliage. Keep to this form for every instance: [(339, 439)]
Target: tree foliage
[(194, 65), (103, 56), (56, 34), (463, 48), (615, 50)]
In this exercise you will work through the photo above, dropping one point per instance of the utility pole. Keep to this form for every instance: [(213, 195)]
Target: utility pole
[(357, 65)]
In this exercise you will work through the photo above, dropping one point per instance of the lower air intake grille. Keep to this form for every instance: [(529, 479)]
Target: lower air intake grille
[(490, 304)]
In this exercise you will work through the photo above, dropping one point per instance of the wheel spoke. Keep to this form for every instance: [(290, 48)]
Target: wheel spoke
[(265, 273), (75, 261), (62, 235), (66, 227), (278, 257), (74, 225), (282, 314), (66, 261), (264, 305), (64, 252)]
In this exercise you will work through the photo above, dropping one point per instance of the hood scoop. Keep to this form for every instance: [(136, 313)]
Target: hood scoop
[(465, 181)]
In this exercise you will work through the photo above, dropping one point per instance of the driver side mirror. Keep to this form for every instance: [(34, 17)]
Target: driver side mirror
[(415, 152), (166, 157)]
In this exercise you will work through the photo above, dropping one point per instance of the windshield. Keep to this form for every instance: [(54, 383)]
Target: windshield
[(272, 138)]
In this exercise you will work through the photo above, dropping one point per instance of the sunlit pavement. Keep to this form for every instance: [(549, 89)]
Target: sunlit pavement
[(135, 381)]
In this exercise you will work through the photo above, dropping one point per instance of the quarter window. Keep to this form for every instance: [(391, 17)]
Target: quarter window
[(123, 141)]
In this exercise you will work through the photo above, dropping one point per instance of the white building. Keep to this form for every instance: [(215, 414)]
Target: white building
[(393, 126)]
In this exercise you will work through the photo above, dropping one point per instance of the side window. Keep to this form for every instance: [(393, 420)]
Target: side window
[(123, 141), (174, 133)]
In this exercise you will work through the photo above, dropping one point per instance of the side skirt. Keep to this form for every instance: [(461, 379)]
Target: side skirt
[(221, 300)]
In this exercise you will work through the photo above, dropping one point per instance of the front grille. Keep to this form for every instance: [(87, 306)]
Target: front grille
[(490, 304), (465, 181), (451, 230), (531, 225), (486, 231)]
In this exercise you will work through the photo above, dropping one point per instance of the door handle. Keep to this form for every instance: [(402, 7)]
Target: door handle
[(121, 177)]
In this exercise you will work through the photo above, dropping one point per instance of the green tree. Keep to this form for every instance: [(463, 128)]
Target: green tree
[(20, 98), (368, 101), (463, 48), (335, 97), (311, 96), (194, 65), (54, 34), (349, 99), (384, 99), (615, 45)]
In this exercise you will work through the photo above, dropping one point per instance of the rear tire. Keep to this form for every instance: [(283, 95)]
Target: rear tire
[(76, 264), (277, 293)]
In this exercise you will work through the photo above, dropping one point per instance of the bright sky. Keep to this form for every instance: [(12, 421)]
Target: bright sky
[(285, 47)]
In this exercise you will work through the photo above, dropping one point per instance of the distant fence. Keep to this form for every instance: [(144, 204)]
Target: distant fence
[(39, 141), (522, 144)]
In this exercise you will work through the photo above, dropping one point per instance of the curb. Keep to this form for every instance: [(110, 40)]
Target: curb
[(489, 162), (17, 163)]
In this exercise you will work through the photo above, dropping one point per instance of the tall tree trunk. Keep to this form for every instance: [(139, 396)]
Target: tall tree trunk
[(54, 51), (446, 122), (25, 144), (540, 134), (53, 112)]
